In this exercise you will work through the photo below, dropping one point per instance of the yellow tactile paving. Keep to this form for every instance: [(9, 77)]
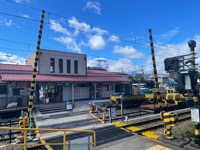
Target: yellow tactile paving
[(150, 134), (158, 147), (133, 128), (119, 124)]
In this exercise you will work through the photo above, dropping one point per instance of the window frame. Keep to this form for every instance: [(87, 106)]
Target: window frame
[(75, 66), (60, 65), (68, 66), (52, 64)]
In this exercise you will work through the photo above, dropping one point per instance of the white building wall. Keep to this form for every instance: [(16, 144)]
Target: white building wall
[(44, 62), (31, 59)]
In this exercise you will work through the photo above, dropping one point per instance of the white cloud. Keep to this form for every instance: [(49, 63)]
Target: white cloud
[(82, 26), (165, 37), (93, 35), (22, 1), (127, 51), (25, 16), (11, 59), (94, 6), (6, 22), (96, 42), (9, 23), (70, 43), (113, 38), (100, 59), (57, 27), (121, 65), (99, 31)]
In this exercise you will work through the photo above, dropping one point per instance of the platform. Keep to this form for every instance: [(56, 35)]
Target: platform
[(138, 142)]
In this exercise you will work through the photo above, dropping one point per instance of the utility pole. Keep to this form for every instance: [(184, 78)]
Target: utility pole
[(142, 71)]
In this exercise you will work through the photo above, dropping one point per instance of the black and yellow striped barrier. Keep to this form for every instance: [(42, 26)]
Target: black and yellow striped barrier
[(170, 120), (158, 96), (32, 133)]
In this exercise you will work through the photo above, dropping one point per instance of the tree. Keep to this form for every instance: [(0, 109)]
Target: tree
[(139, 78)]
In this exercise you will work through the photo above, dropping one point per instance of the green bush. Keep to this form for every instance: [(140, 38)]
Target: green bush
[(186, 131)]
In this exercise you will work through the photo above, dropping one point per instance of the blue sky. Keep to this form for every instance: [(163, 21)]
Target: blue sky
[(113, 33)]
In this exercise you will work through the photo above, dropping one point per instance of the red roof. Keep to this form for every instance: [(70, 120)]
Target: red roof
[(16, 67), (27, 77), (100, 72)]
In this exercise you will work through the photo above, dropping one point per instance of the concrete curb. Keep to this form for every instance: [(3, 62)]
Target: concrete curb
[(180, 142)]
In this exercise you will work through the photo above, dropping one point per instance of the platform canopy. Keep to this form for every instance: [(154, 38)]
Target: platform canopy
[(53, 78)]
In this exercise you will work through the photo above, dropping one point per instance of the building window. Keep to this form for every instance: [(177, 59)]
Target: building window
[(76, 66), (60, 65), (52, 65), (3, 89), (18, 91), (68, 66)]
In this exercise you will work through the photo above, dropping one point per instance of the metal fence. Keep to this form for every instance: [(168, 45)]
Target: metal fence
[(65, 144)]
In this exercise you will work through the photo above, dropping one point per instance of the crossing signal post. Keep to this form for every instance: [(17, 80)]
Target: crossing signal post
[(183, 70), (195, 90)]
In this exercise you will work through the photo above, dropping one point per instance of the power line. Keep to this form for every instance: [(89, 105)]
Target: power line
[(24, 5), (67, 18), (14, 49), (90, 33), (135, 37), (28, 44)]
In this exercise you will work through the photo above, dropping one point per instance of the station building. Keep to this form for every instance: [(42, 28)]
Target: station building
[(61, 76)]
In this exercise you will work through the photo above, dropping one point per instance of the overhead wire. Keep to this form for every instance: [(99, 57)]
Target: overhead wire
[(61, 16), (90, 33), (135, 42)]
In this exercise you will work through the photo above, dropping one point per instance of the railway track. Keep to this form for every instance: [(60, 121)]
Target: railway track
[(8, 136), (72, 124), (111, 133), (67, 114), (152, 122)]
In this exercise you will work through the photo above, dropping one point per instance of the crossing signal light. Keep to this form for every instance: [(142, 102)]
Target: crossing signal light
[(171, 64)]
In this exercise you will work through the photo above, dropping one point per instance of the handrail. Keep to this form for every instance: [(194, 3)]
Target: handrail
[(64, 143)]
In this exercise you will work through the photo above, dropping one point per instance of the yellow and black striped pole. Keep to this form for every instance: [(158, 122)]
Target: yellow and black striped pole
[(170, 120), (33, 83), (31, 134), (158, 97), (192, 45)]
